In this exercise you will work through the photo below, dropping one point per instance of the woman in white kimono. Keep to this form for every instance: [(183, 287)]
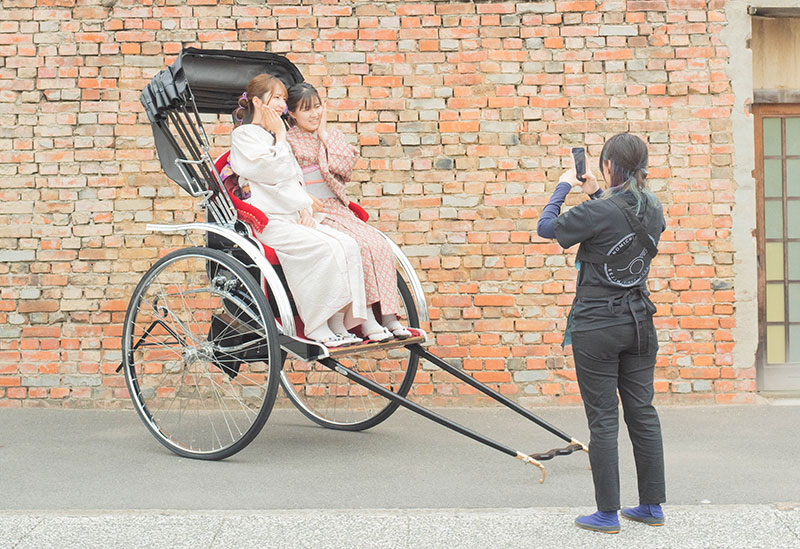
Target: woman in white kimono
[(322, 266)]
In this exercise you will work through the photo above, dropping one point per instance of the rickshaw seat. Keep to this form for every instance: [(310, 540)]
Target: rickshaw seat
[(247, 213), (360, 212), (257, 219)]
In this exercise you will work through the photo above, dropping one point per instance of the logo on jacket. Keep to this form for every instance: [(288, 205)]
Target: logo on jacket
[(635, 271)]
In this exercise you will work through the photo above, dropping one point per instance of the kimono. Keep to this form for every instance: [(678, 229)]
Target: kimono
[(322, 266), (327, 167)]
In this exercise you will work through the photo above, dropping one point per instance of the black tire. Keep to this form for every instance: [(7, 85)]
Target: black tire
[(200, 353), (358, 409)]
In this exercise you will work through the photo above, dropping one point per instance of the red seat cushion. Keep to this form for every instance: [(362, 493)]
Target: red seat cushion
[(360, 212)]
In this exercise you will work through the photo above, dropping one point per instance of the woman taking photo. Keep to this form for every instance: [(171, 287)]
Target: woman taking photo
[(610, 325)]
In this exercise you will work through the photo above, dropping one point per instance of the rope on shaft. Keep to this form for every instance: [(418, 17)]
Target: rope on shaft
[(550, 454)]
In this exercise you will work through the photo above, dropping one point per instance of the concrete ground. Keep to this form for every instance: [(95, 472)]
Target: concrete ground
[(89, 478)]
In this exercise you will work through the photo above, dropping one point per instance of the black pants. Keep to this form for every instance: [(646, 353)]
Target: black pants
[(607, 360)]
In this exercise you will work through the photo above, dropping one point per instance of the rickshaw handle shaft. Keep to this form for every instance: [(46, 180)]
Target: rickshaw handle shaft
[(335, 365), (352, 375), (469, 380)]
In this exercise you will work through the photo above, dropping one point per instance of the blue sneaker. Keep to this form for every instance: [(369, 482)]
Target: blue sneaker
[(648, 514), (601, 521)]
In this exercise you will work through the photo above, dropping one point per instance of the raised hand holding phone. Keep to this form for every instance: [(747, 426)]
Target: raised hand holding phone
[(583, 175), (579, 162)]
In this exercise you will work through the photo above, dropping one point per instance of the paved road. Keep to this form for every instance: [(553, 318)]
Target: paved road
[(98, 477)]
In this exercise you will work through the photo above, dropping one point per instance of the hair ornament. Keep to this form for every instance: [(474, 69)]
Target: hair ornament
[(238, 114)]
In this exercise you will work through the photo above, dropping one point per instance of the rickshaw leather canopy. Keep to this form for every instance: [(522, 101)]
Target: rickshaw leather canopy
[(216, 79), (212, 82)]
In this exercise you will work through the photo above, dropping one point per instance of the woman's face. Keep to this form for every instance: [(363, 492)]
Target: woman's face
[(309, 116), (275, 101)]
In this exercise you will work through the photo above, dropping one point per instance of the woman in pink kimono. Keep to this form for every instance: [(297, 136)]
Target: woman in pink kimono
[(327, 161)]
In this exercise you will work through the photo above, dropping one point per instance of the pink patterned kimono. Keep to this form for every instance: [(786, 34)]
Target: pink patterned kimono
[(327, 167)]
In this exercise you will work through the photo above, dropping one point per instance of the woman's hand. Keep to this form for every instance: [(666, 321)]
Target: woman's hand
[(317, 204), (589, 185), (272, 122), (322, 131), (306, 219), (570, 177)]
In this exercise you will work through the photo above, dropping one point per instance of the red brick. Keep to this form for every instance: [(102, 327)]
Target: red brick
[(9, 381)]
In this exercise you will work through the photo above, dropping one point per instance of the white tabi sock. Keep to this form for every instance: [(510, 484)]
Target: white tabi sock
[(391, 322), (371, 326), (321, 334), (336, 323)]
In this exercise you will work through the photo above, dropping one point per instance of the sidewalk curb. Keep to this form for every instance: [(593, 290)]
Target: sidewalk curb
[(690, 526)]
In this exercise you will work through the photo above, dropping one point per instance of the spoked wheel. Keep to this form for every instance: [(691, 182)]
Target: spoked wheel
[(200, 353), (331, 400)]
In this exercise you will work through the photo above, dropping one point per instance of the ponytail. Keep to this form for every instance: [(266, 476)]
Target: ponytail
[(628, 156)]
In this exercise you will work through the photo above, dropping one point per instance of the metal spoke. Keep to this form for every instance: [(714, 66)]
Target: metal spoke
[(197, 375), (223, 407)]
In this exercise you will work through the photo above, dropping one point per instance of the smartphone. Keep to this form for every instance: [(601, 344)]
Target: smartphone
[(579, 155)]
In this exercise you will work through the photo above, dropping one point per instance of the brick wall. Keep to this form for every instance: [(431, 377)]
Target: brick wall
[(465, 112)]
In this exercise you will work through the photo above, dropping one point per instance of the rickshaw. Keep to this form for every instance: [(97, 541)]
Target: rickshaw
[(211, 330)]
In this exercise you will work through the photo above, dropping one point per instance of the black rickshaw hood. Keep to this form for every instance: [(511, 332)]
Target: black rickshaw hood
[(216, 79), (198, 82)]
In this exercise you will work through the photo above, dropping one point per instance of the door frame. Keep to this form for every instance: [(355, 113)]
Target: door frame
[(764, 371)]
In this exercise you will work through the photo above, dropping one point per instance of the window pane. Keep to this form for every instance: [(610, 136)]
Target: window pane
[(774, 260), (775, 311), (794, 343), (773, 176), (794, 302), (792, 176), (794, 260), (772, 136), (793, 136), (776, 345), (773, 218), (792, 213)]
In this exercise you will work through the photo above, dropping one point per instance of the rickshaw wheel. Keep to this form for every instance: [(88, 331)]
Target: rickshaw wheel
[(333, 401), (200, 353)]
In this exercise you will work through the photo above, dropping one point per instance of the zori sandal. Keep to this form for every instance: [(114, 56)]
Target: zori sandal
[(401, 333), (332, 342), (380, 335), (350, 339)]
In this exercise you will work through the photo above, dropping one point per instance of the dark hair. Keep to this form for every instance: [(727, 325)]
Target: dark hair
[(301, 96), (259, 86), (628, 158)]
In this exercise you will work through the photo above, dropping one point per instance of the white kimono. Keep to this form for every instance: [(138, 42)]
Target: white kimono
[(322, 266)]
